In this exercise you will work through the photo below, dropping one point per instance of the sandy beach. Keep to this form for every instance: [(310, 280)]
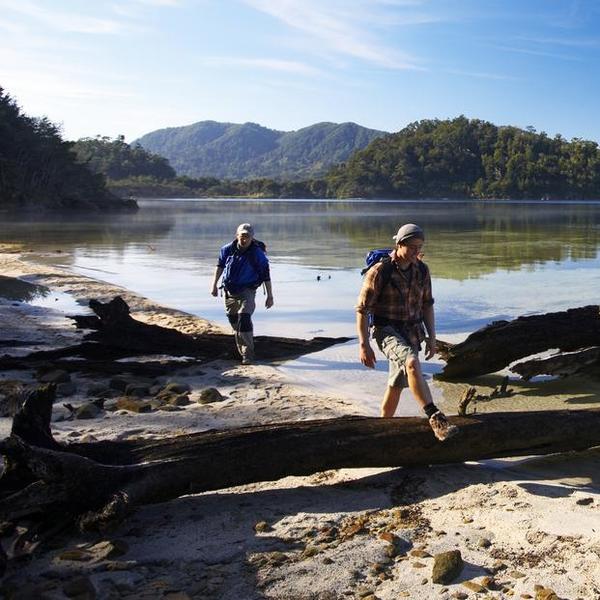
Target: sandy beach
[(525, 528)]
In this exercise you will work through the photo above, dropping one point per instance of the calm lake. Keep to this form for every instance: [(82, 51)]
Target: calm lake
[(489, 261)]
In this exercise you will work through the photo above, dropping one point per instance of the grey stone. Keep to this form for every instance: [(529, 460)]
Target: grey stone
[(87, 411), (447, 566), (139, 390), (210, 395), (176, 387)]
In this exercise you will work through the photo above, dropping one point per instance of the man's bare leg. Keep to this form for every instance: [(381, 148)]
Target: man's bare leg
[(390, 401), (416, 382)]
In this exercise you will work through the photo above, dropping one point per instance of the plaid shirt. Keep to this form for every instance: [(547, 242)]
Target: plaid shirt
[(406, 306)]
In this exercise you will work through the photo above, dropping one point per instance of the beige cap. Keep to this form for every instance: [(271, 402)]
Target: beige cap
[(245, 228)]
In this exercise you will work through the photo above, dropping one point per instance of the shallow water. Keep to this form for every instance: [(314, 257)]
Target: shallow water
[(489, 261)]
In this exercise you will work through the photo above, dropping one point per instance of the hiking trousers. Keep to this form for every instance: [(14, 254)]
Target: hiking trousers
[(239, 309)]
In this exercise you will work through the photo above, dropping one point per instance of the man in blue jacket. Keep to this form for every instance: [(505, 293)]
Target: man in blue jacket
[(245, 267)]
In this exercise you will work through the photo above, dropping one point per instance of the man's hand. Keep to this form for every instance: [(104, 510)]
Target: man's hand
[(430, 348), (269, 302), (214, 291), (367, 356)]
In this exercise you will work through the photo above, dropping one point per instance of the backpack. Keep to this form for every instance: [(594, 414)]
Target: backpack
[(382, 255), (232, 268)]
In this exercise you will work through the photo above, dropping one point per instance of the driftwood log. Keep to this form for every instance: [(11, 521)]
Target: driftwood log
[(499, 344), (563, 365), (46, 478), (117, 335)]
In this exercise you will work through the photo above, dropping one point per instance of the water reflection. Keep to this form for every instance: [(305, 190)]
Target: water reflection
[(465, 240)]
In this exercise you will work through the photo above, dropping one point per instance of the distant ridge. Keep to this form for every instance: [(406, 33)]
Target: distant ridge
[(249, 150)]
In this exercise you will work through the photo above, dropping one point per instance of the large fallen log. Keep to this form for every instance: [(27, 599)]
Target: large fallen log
[(495, 346), (126, 474), (115, 328)]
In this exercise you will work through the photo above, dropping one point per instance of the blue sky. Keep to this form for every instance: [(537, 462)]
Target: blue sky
[(132, 66)]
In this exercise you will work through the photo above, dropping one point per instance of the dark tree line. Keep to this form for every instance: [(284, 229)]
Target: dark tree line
[(38, 168), (470, 158), (118, 160)]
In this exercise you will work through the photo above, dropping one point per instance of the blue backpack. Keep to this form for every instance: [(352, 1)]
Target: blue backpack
[(233, 267), (378, 255)]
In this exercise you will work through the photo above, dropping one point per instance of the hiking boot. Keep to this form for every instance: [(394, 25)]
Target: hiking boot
[(442, 429), (246, 360)]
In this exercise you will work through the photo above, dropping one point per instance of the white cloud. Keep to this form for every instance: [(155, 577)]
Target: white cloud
[(481, 75), (533, 52), (159, 2), (64, 21), (342, 27), (269, 64)]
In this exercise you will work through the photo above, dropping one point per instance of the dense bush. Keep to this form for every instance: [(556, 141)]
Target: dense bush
[(39, 169), (470, 158)]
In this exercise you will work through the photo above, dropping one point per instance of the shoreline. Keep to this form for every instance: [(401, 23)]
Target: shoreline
[(322, 536)]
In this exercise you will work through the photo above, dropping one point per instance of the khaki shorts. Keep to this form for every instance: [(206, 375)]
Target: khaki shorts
[(397, 350)]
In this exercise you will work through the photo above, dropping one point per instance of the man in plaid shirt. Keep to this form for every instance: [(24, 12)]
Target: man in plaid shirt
[(399, 298)]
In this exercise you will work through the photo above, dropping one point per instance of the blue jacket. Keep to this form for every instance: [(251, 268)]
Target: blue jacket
[(242, 270)]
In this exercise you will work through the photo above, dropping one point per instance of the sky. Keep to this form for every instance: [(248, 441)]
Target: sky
[(128, 67)]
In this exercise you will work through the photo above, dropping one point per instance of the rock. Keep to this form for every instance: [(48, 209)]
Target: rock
[(546, 594), (119, 383), (498, 566), (490, 583), (169, 408), (484, 543), (80, 587), (75, 554), (261, 527), (210, 395), (474, 587), (133, 405), (310, 551), (584, 501), (460, 595), (447, 566), (516, 574), (87, 411), (175, 387), (137, 390), (418, 565), (55, 376), (179, 400), (109, 549)]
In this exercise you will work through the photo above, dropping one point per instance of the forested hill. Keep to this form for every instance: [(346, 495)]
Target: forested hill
[(39, 170), (242, 151), (470, 158)]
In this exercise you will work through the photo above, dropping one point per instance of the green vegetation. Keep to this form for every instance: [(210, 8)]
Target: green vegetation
[(462, 158), (118, 160), (39, 170), (210, 187), (250, 151)]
